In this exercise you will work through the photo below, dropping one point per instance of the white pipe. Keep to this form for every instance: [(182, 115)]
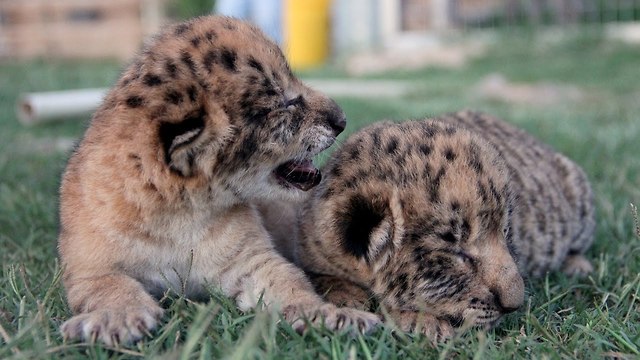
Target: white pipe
[(36, 108)]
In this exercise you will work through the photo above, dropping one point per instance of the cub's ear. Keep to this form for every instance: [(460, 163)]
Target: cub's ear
[(178, 142), (370, 228)]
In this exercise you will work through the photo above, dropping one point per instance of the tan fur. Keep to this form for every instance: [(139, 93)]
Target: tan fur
[(436, 219), (161, 194)]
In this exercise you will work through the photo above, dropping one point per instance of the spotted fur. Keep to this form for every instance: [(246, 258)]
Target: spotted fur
[(161, 195), (439, 219)]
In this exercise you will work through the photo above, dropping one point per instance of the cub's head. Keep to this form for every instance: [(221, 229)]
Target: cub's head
[(418, 213), (226, 108)]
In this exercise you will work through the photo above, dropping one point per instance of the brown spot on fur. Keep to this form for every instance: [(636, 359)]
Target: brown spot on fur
[(173, 96), (196, 41), (209, 59), (228, 58), (134, 101), (181, 29), (171, 68), (256, 65), (186, 58), (449, 154), (192, 92), (152, 80)]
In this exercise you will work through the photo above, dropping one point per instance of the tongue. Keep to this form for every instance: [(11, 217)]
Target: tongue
[(301, 174)]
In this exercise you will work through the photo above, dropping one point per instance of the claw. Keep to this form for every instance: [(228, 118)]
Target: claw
[(112, 327), (94, 336), (115, 339)]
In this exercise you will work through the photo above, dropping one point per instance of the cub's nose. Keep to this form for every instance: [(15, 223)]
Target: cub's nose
[(510, 295), (508, 308), (336, 118), (505, 307), (338, 123)]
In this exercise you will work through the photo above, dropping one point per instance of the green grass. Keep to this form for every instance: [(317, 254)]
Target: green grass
[(563, 318)]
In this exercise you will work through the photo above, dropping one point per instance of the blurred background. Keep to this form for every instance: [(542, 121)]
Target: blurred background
[(328, 37), (312, 31)]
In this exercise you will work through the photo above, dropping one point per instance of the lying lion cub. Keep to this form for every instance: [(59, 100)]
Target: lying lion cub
[(160, 194), (439, 219)]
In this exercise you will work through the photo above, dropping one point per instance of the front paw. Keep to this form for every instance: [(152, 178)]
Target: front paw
[(341, 292), (112, 326), (436, 330), (333, 318)]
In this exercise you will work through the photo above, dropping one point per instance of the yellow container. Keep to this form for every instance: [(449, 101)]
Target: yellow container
[(306, 30)]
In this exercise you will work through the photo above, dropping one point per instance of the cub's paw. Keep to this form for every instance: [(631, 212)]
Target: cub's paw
[(333, 318), (341, 292), (112, 326), (436, 330), (577, 265)]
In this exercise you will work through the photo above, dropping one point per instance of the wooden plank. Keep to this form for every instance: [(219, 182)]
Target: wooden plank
[(17, 12), (114, 37), (67, 10), (74, 28)]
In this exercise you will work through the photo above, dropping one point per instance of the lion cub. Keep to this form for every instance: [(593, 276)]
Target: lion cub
[(437, 220), (161, 193)]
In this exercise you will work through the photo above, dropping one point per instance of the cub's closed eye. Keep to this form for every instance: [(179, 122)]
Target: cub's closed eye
[(449, 237), (466, 257), (293, 102)]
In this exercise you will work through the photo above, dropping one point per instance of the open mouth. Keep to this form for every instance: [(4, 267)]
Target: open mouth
[(298, 173)]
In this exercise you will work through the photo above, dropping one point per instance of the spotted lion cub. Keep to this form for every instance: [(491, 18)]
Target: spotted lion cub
[(438, 219), (161, 193)]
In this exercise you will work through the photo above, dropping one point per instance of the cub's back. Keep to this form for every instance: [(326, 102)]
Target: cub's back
[(554, 216)]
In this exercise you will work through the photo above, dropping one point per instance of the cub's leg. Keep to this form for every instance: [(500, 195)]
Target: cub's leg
[(252, 269), (263, 273), (341, 292), (582, 222), (315, 310), (577, 265), (112, 308)]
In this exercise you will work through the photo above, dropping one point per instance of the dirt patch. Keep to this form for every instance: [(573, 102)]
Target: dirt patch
[(412, 55), (626, 33), (498, 87), (361, 88)]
